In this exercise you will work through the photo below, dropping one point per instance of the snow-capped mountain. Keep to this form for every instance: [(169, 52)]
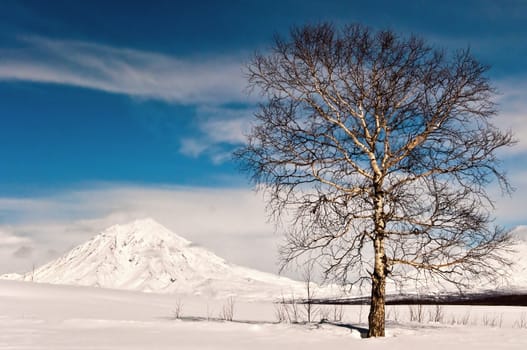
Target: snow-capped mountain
[(146, 256)]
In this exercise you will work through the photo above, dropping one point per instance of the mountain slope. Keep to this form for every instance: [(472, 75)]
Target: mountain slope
[(145, 256)]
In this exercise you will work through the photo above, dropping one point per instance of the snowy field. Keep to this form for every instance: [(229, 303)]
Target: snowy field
[(41, 316)]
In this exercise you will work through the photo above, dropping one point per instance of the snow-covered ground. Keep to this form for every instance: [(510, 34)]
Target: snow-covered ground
[(45, 316), (70, 310)]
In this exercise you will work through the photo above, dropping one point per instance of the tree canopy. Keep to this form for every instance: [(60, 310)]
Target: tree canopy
[(380, 149)]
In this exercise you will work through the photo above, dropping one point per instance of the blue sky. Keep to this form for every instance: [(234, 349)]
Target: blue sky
[(136, 99)]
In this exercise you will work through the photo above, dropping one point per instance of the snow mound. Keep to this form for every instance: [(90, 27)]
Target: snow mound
[(146, 256), (520, 233), (518, 274)]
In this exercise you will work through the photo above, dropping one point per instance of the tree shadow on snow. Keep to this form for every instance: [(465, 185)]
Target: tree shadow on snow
[(362, 330), (211, 319)]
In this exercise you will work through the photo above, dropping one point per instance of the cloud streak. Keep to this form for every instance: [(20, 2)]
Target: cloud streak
[(125, 71), (206, 83), (220, 130), (512, 104)]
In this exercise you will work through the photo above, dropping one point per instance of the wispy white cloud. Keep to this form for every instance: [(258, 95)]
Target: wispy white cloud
[(512, 104), (220, 129), (192, 147), (208, 83), (225, 125), (12, 248), (213, 80), (8, 239)]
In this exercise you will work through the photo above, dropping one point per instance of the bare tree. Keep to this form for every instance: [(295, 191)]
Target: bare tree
[(378, 148), (227, 311), (178, 309), (308, 302)]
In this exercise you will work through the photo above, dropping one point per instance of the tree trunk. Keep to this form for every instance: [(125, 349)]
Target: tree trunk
[(376, 317)]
